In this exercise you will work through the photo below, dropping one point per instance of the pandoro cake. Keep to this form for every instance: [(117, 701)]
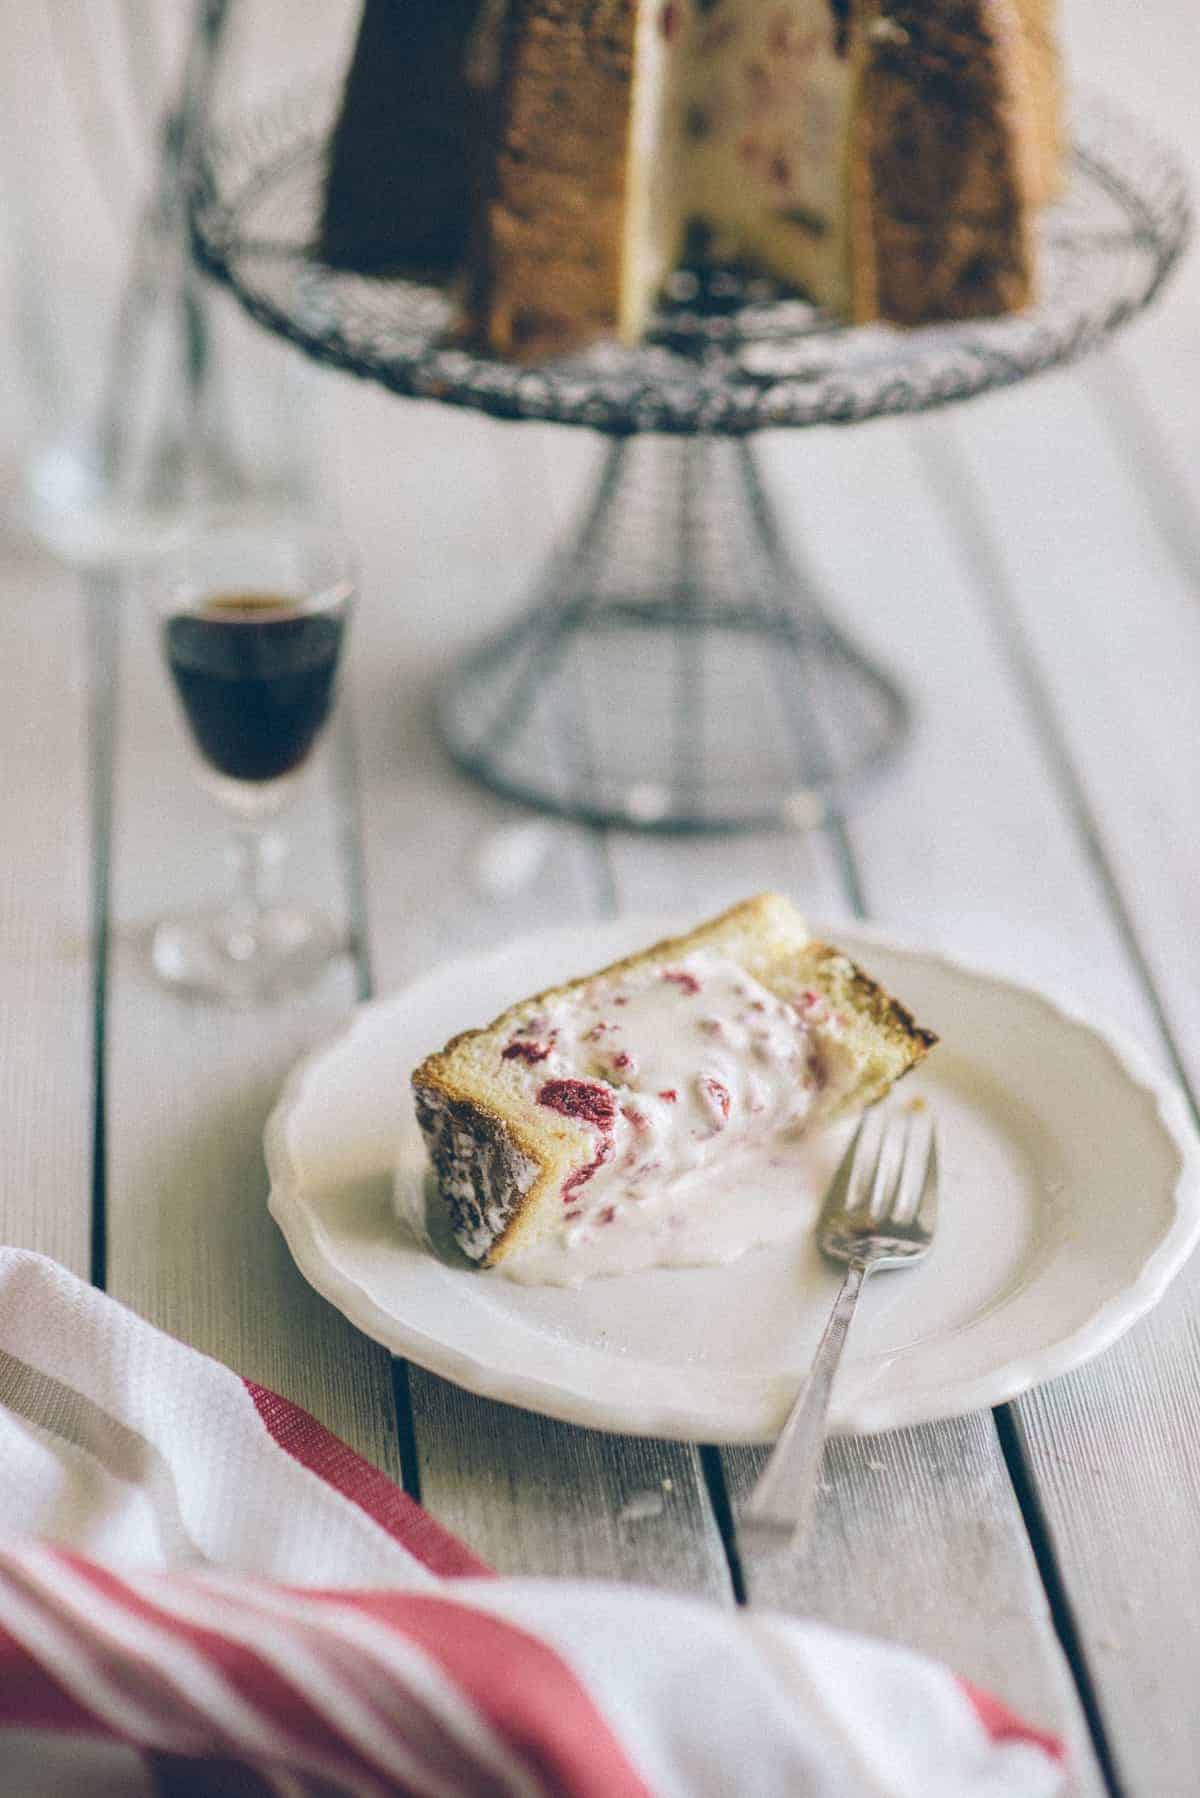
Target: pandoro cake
[(660, 1110), (886, 157)]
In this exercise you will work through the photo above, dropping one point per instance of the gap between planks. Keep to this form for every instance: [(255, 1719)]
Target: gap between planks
[(187, 1086), (102, 599), (956, 490), (1008, 1439), (530, 1495), (932, 1507), (47, 1017), (936, 1506)]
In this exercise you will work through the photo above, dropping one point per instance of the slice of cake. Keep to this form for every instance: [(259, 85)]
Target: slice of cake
[(621, 1107), (884, 156)]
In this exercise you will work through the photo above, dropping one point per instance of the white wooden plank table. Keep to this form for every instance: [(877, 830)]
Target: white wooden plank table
[(1031, 565)]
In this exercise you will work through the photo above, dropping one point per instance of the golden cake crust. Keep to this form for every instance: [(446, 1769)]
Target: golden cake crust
[(546, 270), (942, 161)]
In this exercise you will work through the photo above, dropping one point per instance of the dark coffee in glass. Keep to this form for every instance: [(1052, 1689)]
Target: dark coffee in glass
[(255, 674)]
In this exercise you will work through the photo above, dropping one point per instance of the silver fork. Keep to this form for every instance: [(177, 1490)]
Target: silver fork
[(881, 1218)]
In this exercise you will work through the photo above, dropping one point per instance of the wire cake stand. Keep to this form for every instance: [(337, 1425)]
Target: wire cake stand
[(675, 670)]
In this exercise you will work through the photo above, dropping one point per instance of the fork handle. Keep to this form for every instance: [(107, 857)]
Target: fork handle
[(780, 1505)]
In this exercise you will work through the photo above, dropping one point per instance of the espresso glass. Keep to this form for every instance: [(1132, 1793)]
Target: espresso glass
[(251, 622)]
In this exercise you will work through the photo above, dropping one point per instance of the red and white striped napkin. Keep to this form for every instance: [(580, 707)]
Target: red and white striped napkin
[(201, 1590)]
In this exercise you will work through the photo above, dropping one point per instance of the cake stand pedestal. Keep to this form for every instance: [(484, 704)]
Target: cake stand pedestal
[(675, 670)]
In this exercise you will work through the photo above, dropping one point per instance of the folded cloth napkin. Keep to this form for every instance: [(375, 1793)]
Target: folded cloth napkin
[(201, 1588)]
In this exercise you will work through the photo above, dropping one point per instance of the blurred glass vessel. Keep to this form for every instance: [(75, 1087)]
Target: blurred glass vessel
[(144, 402)]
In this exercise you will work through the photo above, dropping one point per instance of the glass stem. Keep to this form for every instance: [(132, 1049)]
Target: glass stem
[(256, 855)]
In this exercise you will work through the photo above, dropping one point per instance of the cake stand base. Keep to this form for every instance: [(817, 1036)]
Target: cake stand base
[(676, 670)]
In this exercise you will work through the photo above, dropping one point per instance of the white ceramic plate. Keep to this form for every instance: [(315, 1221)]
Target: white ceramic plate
[(1070, 1197)]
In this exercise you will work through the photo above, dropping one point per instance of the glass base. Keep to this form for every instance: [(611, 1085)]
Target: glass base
[(239, 959)]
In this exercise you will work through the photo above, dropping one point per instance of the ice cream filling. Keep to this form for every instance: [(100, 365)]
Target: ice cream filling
[(695, 1088), (739, 125)]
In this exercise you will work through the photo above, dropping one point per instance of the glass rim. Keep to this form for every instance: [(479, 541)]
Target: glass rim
[(175, 582)]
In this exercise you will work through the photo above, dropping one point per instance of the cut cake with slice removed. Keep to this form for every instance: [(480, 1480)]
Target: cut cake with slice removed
[(885, 157), (580, 1103)]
